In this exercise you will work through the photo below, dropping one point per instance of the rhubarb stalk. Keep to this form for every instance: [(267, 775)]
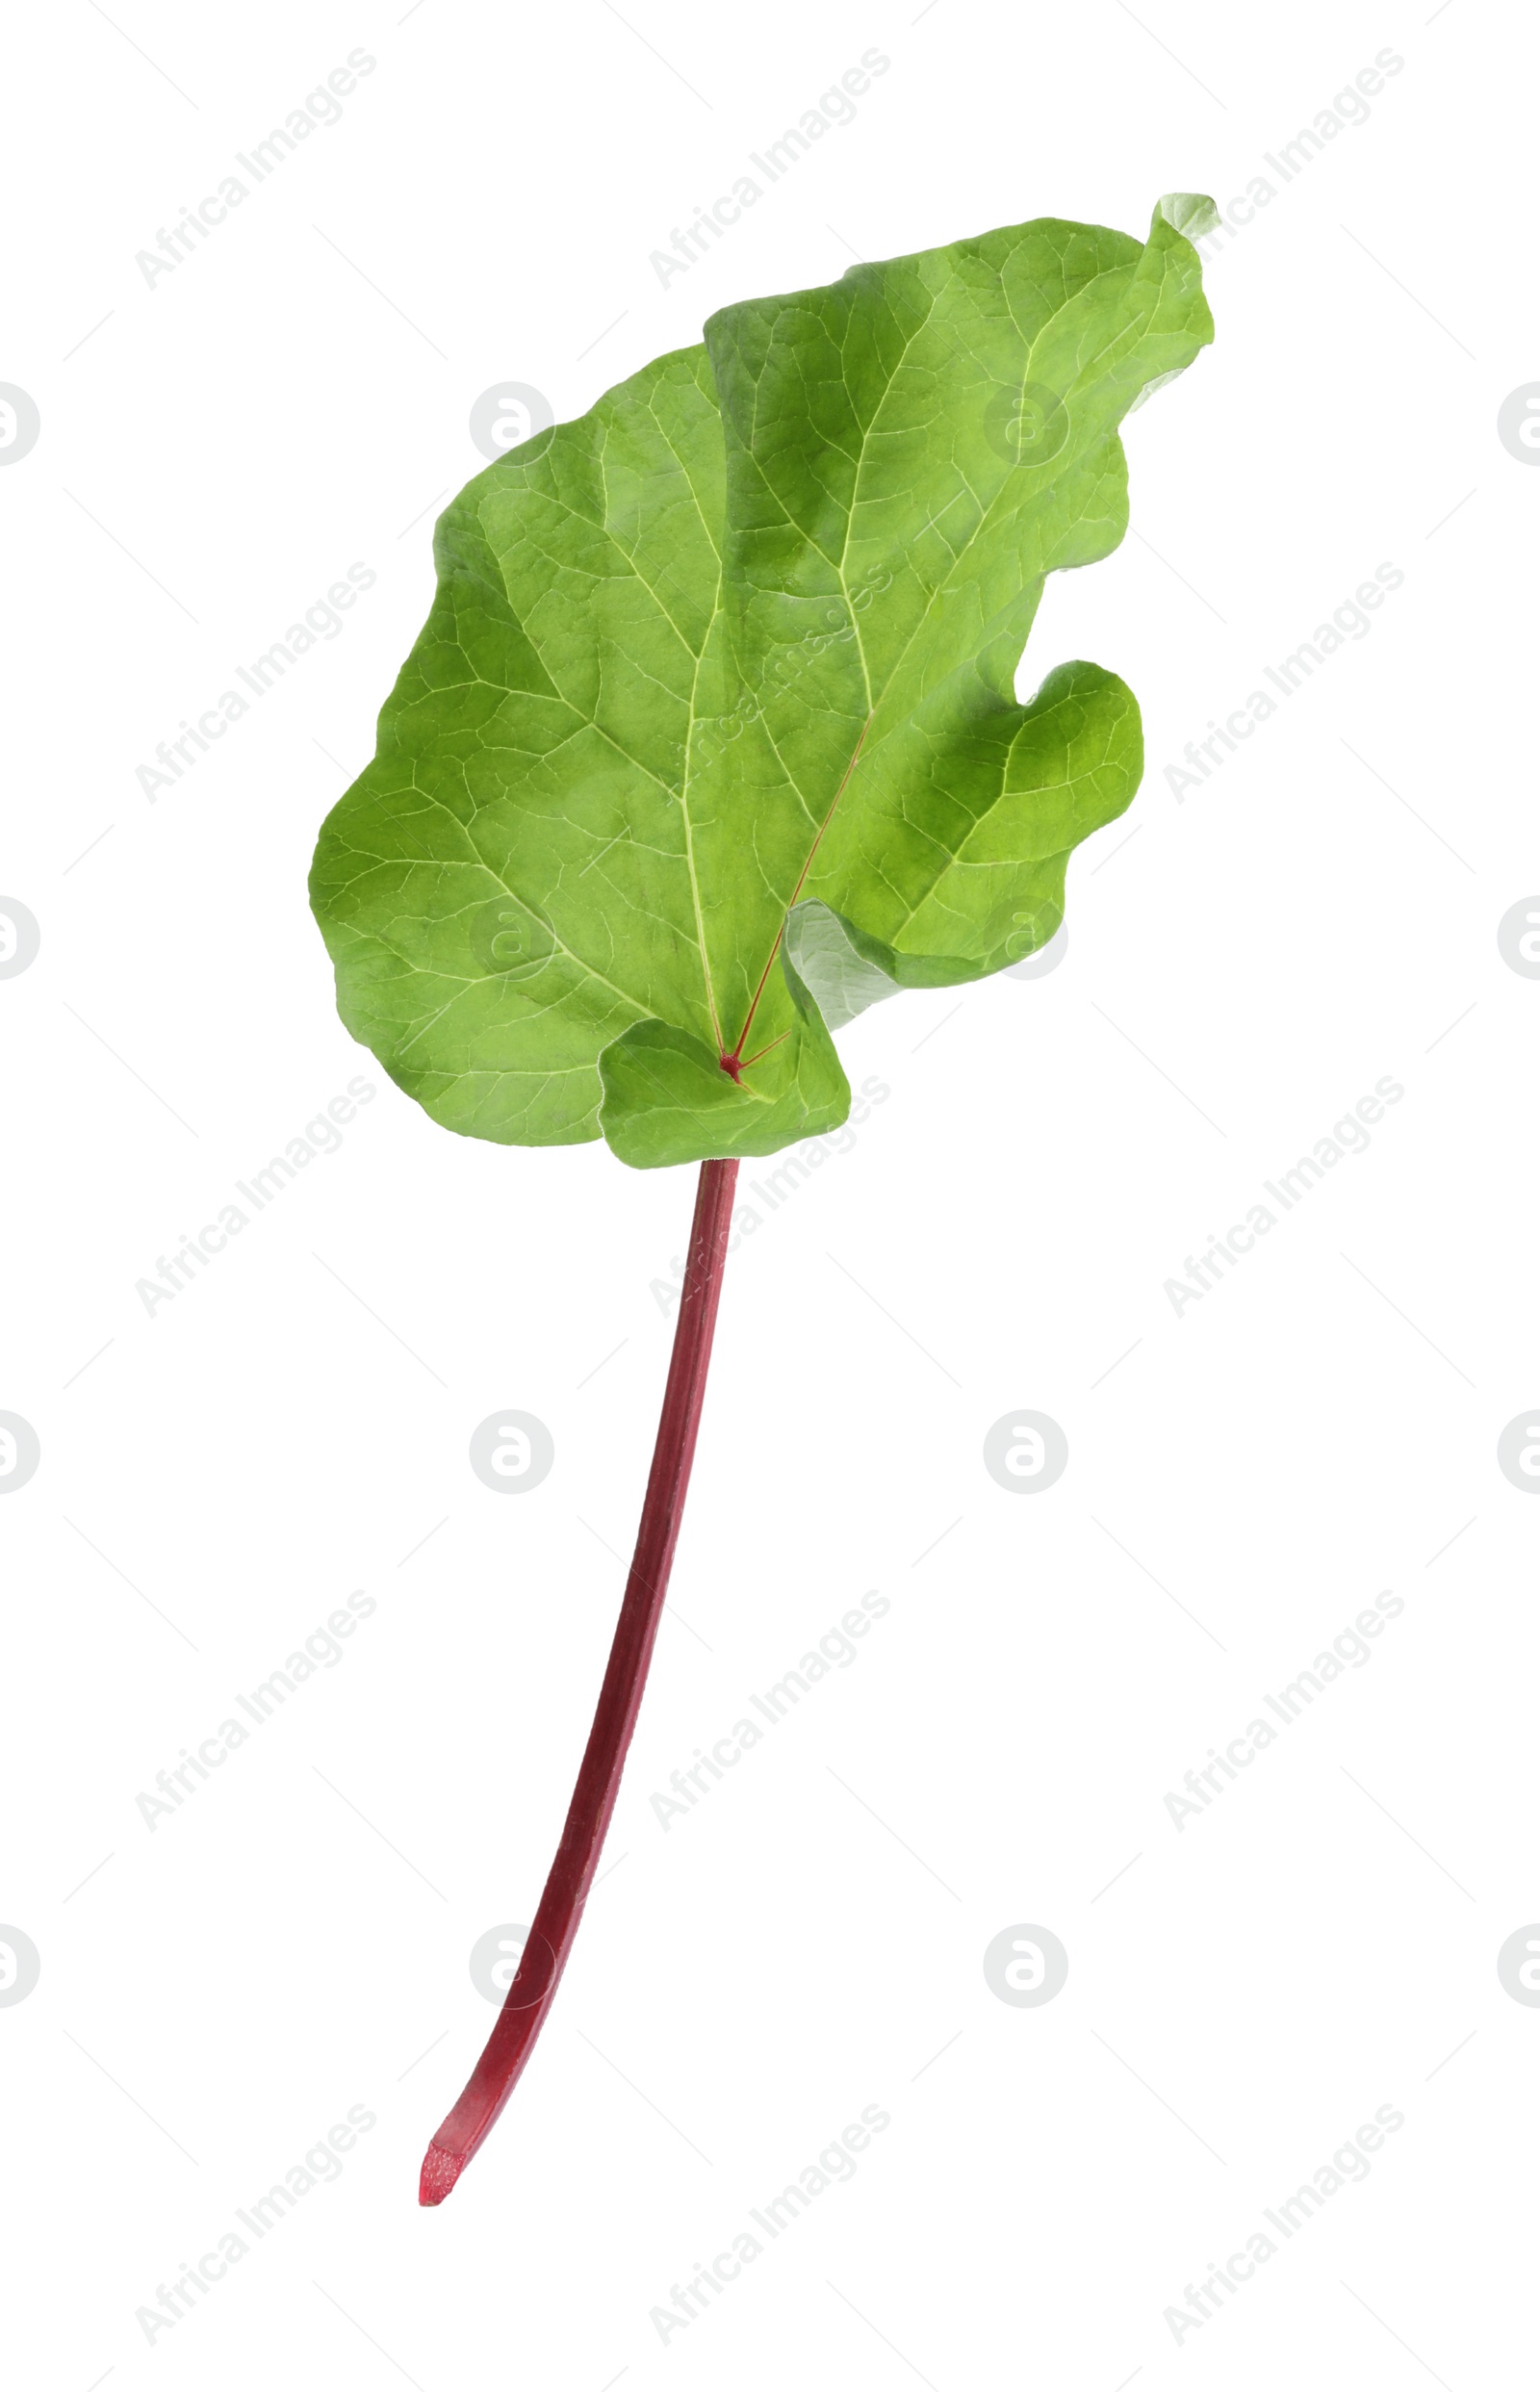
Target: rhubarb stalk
[(533, 1990)]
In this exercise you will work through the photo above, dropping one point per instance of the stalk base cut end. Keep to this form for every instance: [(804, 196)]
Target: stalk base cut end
[(441, 2173)]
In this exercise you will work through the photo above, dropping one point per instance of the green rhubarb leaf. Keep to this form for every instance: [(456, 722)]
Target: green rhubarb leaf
[(711, 739)]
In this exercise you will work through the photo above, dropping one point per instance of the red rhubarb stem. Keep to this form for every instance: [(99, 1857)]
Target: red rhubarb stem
[(533, 1990)]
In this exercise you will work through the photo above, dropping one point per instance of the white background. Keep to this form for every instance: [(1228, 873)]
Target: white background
[(1242, 967)]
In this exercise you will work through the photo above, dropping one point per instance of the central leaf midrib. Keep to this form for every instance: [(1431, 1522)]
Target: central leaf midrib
[(877, 700)]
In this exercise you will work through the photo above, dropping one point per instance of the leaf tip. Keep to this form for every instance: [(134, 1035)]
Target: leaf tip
[(1191, 213)]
